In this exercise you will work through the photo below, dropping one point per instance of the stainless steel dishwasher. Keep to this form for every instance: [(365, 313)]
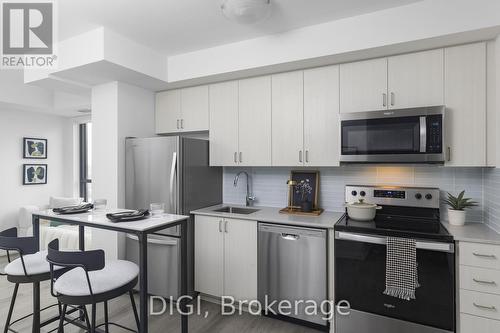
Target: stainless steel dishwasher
[(292, 266)]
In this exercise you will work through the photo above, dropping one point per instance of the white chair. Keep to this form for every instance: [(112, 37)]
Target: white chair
[(67, 234), (91, 280)]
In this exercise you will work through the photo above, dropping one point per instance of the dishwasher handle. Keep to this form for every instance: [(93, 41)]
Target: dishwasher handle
[(295, 231), (291, 237)]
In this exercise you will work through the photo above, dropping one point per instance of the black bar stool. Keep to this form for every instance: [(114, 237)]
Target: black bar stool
[(30, 267), (90, 281)]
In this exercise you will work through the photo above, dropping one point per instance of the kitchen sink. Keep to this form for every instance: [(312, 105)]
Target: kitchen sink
[(236, 210)]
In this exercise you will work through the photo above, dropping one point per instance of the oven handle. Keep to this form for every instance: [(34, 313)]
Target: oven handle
[(423, 245)]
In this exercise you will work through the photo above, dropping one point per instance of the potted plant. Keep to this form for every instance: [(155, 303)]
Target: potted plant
[(304, 189), (457, 206)]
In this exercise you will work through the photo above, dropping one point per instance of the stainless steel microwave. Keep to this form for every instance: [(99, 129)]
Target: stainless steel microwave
[(393, 136)]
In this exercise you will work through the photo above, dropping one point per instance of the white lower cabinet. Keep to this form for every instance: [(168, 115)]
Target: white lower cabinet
[(480, 304), (473, 324), (226, 257), (208, 255), (240, 259), (479, 294)]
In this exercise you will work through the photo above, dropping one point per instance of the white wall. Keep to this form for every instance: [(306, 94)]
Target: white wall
[(105, 142), (137, 119), (118, 111), (14, 92), (14, 125)]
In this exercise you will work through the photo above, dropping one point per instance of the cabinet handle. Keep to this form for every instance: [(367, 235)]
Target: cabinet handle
[(384, 99), (307, 156), (235, 157), (220, 225), (484, 307), (177, 123), (492, 256), (300, 156), (225, 226), (484, 282), (182, 123), (392, 99), (448, 154), (241, 157)]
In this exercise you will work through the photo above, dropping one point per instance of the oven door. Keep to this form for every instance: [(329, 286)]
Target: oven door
[(404, 136), (360, 263)]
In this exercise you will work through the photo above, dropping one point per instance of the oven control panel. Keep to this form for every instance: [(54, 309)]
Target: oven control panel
[(393, 195), (434, 134)]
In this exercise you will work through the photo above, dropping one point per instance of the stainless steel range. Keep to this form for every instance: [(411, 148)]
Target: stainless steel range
[(360, 264)]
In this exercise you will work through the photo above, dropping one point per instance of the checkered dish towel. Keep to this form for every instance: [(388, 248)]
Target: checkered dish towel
[(401, 277)]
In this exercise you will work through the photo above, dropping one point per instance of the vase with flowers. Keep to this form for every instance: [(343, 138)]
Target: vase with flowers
[(304, 189)]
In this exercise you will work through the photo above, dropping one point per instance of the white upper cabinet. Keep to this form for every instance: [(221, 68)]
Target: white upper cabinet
[(194, 107), (321, 116), (224, 124), (363, 86), (287, 119), (465, 100), (416, 79), (255, 122), (182, 110), (168, 111)]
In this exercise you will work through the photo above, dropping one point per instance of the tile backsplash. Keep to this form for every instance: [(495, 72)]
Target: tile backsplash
[(492, 198), (269, 185)]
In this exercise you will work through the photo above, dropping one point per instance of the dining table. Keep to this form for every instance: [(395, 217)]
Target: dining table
[(150, 225)]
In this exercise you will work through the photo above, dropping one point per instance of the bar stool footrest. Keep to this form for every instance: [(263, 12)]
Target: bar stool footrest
[(48, 321), (117, 325)]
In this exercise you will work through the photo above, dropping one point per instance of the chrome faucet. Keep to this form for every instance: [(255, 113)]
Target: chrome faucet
[(250, 198)]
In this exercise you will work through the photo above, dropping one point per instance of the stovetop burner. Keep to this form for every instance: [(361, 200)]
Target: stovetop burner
[(406, 212), (430, 231)]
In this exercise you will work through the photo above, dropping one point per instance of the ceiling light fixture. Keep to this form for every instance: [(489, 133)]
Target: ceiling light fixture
[(246, 11)]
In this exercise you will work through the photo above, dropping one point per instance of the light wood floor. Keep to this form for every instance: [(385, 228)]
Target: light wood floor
[(120, 312)]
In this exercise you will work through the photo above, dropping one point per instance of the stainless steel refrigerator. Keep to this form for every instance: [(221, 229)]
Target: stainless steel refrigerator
[(175, 171)]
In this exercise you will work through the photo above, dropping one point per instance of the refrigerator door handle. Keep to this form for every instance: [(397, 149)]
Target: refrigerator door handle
[(172, 179)]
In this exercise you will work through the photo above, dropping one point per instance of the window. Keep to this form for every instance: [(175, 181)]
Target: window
[(86, 161)]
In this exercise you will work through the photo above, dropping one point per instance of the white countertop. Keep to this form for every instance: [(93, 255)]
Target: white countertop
[(272, 215), (473, 232), (98, 219)]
